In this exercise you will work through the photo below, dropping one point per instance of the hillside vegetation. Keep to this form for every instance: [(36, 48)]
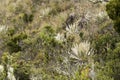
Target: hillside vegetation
[(59, 40)]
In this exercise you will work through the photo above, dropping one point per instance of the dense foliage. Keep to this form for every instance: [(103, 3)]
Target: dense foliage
[(113, 10)]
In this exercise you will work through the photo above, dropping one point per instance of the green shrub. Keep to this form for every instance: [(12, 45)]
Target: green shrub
[(113, 10), (28, 18), (22, 70), (113, 62), (13, 47), (13, 43)]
